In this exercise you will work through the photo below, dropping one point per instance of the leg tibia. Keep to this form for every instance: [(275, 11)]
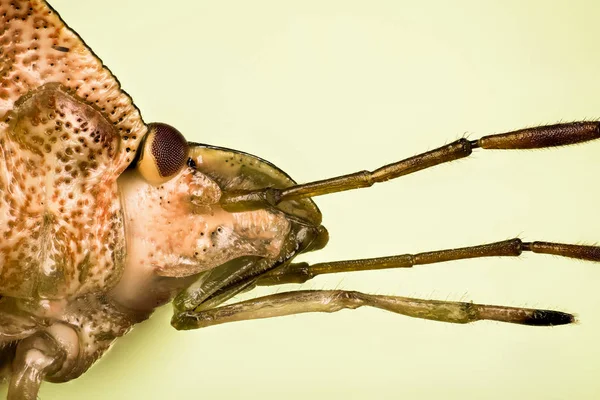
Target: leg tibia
[(297, 302)]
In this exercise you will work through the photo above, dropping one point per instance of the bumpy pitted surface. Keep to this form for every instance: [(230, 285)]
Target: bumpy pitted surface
[(67, 132), (59, 209), (37, 48)]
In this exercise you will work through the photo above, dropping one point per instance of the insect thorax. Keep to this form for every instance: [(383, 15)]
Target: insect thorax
[(60, 219)]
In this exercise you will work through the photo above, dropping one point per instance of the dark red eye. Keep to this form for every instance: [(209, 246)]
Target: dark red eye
[(164, 153)]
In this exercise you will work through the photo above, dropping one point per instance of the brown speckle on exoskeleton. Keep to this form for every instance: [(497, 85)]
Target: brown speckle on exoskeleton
[(46, 206), (92, 245)]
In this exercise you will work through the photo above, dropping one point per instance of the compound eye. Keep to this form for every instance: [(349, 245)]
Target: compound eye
[(164, 153)]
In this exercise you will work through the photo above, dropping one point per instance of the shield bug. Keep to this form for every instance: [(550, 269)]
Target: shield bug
[(363, 240)]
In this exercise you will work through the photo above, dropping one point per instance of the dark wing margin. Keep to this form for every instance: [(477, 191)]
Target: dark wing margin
[(38, 48)]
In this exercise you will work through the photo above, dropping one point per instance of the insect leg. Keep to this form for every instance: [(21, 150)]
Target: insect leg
[(302, 272), (531, 138), (44, 355), (303, 301), (36, 357), (7, 354)]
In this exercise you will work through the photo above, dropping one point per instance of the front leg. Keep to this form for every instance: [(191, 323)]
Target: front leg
[(39, 356), (303, 301), (7, 355), (63, 352)]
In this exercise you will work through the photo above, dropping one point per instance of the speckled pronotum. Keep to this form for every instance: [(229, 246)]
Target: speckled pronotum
[(104, 218)]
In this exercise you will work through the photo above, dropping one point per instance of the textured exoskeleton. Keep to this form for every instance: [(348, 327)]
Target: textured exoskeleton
[(104, 218), (70, 280)]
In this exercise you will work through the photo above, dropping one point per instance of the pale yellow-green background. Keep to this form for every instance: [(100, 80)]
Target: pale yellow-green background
[(328, 87)]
